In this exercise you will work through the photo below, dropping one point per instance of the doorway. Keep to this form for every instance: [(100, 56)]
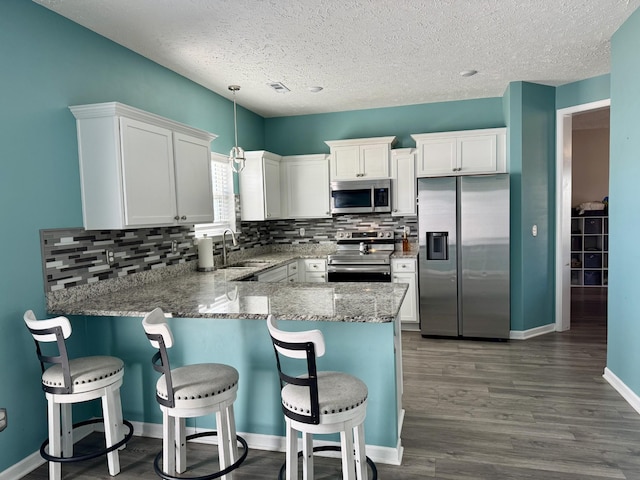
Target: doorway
[(564, 155)]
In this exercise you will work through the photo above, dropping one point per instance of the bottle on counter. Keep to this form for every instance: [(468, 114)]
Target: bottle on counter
[(405, 242)]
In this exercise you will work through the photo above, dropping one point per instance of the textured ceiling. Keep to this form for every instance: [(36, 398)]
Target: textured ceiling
[(365, 53)]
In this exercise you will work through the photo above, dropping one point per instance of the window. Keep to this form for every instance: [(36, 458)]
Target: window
[(224, 212)]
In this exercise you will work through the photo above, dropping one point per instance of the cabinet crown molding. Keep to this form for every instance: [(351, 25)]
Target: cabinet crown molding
[(457, 133), (110, 109), (361, 141)]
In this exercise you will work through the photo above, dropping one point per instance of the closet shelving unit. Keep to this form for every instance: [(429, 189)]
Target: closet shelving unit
[(590, 249)]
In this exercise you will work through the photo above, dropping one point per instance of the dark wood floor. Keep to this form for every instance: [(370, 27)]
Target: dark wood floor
[(534, 409)]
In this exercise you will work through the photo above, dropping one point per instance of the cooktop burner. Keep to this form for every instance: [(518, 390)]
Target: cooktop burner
[(363, 247)]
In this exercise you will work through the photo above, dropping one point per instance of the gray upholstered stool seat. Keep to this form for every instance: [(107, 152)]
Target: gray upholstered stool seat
[(187, 392), (198, 384), (337, 392), (67, 381), (87, 373)]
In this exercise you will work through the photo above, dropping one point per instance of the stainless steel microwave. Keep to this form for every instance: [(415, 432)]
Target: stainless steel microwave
[(361, 196)]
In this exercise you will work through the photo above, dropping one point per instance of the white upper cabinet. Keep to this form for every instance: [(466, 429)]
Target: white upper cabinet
[(403, 182), (193, 164), (260, 195), (138, 169), (467, 152), (305, 186), (360, 158)]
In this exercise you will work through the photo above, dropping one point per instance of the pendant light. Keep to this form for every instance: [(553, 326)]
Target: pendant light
[(236, 156)]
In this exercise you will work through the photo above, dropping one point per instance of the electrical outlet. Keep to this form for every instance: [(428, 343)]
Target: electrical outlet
[(302, 231), (174, 246), (109, 257), (407, 229), (3, 418)]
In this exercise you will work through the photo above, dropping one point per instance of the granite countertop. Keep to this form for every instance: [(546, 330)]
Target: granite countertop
[(221, 294)]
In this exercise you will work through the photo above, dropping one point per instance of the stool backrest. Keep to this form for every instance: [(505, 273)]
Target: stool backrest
[(53, 330), (302, 346), (159, 334)]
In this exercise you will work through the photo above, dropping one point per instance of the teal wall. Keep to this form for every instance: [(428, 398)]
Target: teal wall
[(246, 345), (49, 63), (530, 114), (623, 352), (307, 133), (584, 91)]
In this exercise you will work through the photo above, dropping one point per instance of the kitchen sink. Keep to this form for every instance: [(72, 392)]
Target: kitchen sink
[(249, 264)]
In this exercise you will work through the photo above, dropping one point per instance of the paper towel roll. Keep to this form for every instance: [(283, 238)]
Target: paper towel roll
[(205, 254)]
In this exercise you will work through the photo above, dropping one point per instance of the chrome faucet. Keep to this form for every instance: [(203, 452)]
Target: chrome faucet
[(224, 245)]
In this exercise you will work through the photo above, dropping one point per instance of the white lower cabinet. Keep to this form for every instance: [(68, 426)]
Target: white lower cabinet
[(315, 270), (138, 169), (404, 270), (292, 272)]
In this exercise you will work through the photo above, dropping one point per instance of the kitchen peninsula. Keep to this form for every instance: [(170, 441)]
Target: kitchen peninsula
[(219, 318)]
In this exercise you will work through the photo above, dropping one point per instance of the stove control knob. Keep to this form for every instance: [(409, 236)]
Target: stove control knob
[(339, 235), (347, 234)]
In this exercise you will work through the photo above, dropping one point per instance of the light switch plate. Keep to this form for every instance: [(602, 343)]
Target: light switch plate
[(534, 230), (3, 418)]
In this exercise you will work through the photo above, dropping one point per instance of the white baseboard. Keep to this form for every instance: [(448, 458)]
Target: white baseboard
[(628, 394), (274, 443), (33, 461), (532, 332)]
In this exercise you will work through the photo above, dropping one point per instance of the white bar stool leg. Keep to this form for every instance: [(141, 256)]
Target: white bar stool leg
[(346, 442), (233, 443), (224, 454), (307, 456), (168, 443), (66, 428), (181, 445), (53, 415), (361, 456), (111, 429), (292, 452), (117, 404)]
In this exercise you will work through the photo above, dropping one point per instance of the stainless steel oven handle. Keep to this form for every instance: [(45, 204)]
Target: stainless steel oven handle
[(359, 269)]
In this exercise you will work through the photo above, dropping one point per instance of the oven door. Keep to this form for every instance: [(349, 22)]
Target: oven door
[(358, 273)]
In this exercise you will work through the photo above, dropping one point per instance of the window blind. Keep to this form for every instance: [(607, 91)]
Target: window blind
[(224, 214)]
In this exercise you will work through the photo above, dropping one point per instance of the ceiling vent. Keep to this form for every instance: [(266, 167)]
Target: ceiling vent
[(278, 87)]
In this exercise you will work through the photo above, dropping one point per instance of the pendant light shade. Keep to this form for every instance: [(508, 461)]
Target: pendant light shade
[(236, 155)]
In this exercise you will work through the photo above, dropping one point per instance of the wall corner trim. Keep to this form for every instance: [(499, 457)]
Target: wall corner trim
[(532, 332), (628, 394)]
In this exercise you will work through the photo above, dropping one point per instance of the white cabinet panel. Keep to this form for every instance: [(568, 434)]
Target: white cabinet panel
[(147, 173), (138, 169), (192, 165), (461, 153), (403, 182), (305, 186), (360, 158), (260, 195)]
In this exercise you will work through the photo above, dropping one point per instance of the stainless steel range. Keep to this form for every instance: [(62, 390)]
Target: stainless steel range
[(361, 256)]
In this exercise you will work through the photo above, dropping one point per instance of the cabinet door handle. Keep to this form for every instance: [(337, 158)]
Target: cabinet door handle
[(184, 217), (176, 217)]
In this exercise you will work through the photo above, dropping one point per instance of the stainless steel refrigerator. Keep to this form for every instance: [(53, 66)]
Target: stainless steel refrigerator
[(463, 225)]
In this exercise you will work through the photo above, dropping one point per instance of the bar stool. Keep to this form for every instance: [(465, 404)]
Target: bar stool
[(66, 382), (319, 402), (192, 391)]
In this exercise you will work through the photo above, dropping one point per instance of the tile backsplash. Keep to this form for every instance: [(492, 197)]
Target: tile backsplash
[(73, 257)]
